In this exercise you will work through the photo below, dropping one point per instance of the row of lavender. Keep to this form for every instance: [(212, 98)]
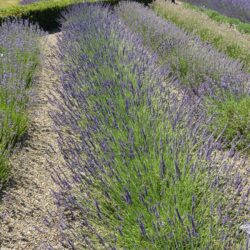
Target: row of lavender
[(198, 67), (193, 62), (19, 57), (233, 8), (144, 173)]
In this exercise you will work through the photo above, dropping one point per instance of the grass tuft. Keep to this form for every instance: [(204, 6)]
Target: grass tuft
[(231, 114)]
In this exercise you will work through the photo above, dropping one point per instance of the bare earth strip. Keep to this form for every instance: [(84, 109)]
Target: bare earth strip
[(25, 205)]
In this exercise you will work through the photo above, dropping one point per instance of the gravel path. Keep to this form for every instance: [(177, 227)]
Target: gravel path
[(25, 205)]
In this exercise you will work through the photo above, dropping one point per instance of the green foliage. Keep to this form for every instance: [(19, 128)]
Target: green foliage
[(216, 16), (234, 50), (233, 114), (13, 126)]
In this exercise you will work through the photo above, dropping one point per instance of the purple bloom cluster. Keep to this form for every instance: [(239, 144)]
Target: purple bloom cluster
[(142, 171), (193, 62), (233, 8), (19, 57)]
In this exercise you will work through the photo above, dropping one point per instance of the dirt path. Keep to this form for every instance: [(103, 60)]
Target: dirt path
[(23, 223)]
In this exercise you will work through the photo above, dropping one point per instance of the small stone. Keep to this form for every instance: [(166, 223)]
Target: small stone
[(246, 228), (10, 228)]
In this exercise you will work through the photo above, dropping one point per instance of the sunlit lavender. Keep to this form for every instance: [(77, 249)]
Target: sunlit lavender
[(198, 67), (233, 8), (19, 58), (193, 62), (143, 174)]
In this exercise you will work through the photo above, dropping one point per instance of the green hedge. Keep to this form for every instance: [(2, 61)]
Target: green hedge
[(46, 14)]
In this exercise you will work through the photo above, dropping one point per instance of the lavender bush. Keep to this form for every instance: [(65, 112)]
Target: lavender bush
[(19, 57), (233, 8), (143, 174)]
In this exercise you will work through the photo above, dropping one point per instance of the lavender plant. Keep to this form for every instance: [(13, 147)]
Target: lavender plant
[(233, 8), (142, 171), (19, 57)]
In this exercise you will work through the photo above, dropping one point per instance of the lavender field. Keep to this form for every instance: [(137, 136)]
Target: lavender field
[(233, 8), (138, 138)]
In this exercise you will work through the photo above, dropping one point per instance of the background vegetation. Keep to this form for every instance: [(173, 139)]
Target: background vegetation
[(8, 3), (216, 16), (231, 42)]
